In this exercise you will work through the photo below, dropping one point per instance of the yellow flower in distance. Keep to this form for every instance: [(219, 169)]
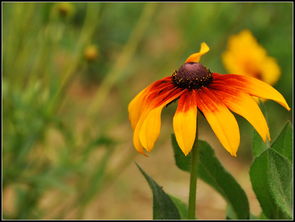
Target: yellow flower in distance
[(91, 53), (245, 56), (197, 88), (65, 9)]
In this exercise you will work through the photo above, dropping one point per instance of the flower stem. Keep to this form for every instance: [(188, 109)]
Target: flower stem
[(193, 181)]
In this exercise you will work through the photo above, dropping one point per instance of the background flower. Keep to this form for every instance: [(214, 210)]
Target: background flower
[(244, 55)]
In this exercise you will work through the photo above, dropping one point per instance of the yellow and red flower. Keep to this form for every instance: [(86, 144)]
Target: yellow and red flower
[(196, 87)]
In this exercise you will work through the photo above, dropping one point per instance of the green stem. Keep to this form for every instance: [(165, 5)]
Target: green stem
[(193, 181), (84, 39)]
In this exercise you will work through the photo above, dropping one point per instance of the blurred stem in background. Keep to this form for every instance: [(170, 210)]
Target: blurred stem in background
[(37, 89), (90, 24), (123, 60), (26, 87), (108, 82)]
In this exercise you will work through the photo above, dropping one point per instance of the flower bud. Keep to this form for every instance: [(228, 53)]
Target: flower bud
[(91, 53)]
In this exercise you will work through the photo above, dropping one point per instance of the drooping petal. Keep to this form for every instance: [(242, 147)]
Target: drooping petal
[(138, 104), (221, 120), (248, 85), (197, 56), (245, 106), (136, 141), (135, 107), (185, 121), (144, 102), (149, 130)]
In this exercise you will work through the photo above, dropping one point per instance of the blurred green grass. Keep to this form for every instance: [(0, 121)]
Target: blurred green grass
[(62, 113)]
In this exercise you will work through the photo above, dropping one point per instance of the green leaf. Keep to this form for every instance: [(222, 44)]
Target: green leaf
[(254, 217), (212, 172), (261, 216), (230, 214), (182, 162), (163, 206), (283, 143), (271, 178), (182, 207), (258, 145)]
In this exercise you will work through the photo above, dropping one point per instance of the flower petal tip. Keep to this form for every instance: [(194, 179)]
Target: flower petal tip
[(284, 103), (287, 107), (186, 153), (142, 153), (197, 56), (145, 154), (268, 138), (148, 147), (204, 47), (233, 154)]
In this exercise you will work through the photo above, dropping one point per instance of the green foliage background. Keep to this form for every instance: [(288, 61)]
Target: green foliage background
[(65, 127)]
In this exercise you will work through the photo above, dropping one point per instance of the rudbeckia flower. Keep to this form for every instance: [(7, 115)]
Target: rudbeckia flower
[(196, 87), (246, 57)]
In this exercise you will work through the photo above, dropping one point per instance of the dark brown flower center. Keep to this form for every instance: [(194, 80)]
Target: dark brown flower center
[(192, 75)]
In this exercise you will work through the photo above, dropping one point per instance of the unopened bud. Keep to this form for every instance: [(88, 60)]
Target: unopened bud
[(65, 9), (91, 53)]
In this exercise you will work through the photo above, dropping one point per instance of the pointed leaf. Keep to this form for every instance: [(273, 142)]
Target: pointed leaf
[(283, 143), (258, 145), (212, 172), (182, 207), (271, 178), (230, 214), (182, 162), (163, 206)]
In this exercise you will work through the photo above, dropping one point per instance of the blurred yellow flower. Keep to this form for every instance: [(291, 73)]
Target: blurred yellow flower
[(245, 56), (65, 8), (91, 53)]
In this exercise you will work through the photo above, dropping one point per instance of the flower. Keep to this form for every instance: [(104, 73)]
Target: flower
[(64, 9), (91, 53), (196, 87), (245, 56)]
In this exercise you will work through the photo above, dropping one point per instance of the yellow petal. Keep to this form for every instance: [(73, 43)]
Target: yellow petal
[(197, 56), (136, 141), (185, 124), (150, 129), (139, 104), (261, 89), (135, 107), (221, 120), (245, 106)]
